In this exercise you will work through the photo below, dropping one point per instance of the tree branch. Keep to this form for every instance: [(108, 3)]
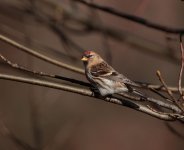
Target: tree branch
[(40, 56), (182, 66), (133, 18), (125, 95), (86, 92), (66, 14), (69, 67)]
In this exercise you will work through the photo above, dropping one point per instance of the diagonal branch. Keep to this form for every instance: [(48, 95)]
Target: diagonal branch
[(39, 55), (133, 18), (17, 66)]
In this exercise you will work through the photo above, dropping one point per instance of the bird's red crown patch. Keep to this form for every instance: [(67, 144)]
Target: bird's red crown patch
[(88, 52)]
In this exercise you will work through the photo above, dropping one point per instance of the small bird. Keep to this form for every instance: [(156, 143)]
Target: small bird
[(104, 78)]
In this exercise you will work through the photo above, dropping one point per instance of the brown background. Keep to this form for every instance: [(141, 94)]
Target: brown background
[(73, 122)]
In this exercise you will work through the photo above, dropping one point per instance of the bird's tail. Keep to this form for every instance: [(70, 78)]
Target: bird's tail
[(134, 91)]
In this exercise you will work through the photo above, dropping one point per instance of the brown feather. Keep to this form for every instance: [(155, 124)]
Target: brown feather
[(101, 69)]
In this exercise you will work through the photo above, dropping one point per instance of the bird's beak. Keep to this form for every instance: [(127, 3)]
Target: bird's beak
[(84, 58)]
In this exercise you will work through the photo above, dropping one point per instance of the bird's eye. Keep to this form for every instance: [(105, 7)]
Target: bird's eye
[(90, 56)]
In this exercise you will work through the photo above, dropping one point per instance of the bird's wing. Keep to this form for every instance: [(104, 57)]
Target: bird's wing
[(127, 81), (106, 71), (101, 70)]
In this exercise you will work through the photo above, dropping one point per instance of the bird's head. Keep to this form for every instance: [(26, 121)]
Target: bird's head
[(91, 58)]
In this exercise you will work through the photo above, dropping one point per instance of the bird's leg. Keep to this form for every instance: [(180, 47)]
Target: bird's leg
[(95, 91)]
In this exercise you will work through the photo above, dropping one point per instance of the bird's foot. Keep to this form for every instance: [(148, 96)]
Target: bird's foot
[(95, 91)]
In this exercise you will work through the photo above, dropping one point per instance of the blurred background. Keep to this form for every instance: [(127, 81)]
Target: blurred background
[(52, 119)]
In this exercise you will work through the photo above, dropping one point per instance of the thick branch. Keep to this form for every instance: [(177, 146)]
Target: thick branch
[(86, 92)]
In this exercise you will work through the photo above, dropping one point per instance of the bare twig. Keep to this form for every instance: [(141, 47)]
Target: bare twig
[(132, 18), (158, 87), (165, 86), (182, 66), (160, 103), (86, 92), (41, 56), (155, 101), (169, 91), (17, 66), (176, 115)]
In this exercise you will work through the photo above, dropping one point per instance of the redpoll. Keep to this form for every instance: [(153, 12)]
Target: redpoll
[(103, 77)]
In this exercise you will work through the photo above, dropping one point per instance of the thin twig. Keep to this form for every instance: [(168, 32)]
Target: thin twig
[(165, 85), (40, 56), (132, 18), (158, 87), (164, 113), (17, 66), (182, 66), (169, 91), (160, 94)]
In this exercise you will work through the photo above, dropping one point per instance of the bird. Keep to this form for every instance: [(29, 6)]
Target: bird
[(104, 78)]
